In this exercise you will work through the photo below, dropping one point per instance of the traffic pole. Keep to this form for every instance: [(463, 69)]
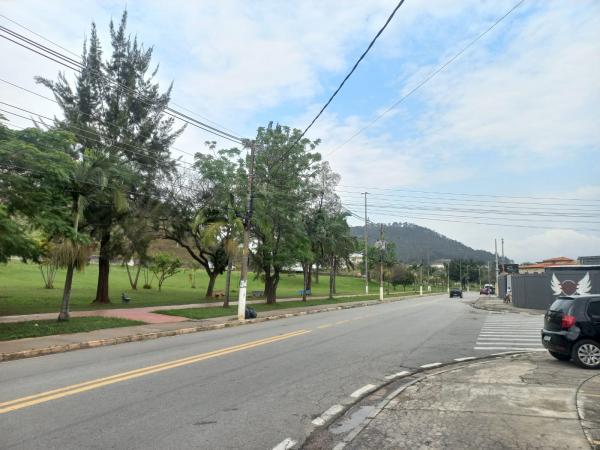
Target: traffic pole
[(245, 250), (381, 250), (366, 248)]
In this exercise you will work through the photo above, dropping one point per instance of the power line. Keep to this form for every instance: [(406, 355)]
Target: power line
[(389, 19), (489, 224), (535, 218), (475, 203), (77, 67), (76, 55), (172, 147), (475, 195), (72, 127), (428, 77)]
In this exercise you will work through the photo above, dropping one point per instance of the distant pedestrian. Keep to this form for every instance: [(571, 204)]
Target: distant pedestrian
[(508, 296)]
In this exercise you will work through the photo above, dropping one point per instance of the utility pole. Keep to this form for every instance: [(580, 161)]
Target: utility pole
[(381, 250), (245, 250), (421, 278), (366, 248), (488, 277), (449, 262), (497, 268), (460, 272), (503, 261)]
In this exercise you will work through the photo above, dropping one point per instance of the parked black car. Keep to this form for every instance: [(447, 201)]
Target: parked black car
[(572, 330), (455, 292)]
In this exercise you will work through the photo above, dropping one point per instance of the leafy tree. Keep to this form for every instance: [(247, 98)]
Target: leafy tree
[(284, 163), (201, 211), (116, 109), (401, 275), (164, 266)]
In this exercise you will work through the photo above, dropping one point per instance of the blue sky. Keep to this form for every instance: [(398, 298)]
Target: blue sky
[(516, 115)]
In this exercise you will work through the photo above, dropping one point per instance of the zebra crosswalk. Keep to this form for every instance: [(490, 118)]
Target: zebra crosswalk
[(511, 332)]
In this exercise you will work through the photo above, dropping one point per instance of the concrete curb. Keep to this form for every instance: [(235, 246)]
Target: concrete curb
[(158, 334), (499, 310), (422, 372), (589, 425)]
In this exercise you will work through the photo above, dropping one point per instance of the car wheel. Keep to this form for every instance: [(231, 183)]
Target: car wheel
[(586, 354), (560, 356)]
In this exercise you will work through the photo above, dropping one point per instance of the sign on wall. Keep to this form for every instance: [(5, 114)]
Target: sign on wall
[(582, 286)]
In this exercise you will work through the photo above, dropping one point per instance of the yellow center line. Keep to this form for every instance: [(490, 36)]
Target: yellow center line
[(341, 322), (43, 397), (327, 325)]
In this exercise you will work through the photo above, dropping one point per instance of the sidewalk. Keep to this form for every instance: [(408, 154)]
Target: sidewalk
[(491, 303), (30, 347), (524, 401), (145, 313)]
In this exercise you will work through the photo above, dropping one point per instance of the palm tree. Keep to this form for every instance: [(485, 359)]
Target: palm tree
[(73, 251)]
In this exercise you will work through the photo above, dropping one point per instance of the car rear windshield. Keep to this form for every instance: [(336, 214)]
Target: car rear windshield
[(562, 304)]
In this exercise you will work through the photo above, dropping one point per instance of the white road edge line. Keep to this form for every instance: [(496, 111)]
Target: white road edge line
[(467, 358), (363, 390), (511, 348), (323, 418), (428, 366), (397, 375), (286, 444)]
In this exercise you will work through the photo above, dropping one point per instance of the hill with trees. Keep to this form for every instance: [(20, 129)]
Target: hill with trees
[(415, 243)]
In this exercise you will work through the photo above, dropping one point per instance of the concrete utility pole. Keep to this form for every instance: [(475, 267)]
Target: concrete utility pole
[(488, 277), (381, 250), (449, 262), (366, 247), (421, 278), (245, 250), (503, 261), (497, 268)]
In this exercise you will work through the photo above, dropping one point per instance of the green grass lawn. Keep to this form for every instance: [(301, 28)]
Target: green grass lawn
[(207, 313), (22, 292), (39, 328)]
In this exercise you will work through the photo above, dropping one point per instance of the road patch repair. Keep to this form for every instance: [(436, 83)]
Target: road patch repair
[(523, 400)]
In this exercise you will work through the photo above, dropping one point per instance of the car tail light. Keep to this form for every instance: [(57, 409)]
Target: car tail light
[(567, 321)]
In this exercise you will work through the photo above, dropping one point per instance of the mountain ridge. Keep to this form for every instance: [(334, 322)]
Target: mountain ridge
[(415, 243)]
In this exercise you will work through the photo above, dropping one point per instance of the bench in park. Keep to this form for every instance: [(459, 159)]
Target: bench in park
[(217, 294), (124, 298), (301, 292), (256, 294)]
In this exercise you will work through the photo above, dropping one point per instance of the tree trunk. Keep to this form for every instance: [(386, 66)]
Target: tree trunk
[(228, 283), (304, 280), (212, 277), (317, 273), (335, 264), (331, 278), (64, 307), (103, 270), (133, 281), (271, 282), (309, 277)]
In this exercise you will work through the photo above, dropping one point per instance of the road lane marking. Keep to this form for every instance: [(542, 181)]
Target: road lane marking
[(341, 322), (323, 418), (327, 325), (397, 375), (363, 390), (511, 348), (430, 365), (43, 397), (286, 444), (466, 358)]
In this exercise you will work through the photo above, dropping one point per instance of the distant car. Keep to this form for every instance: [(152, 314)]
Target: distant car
[(490, 288), (572, 330), (456, 292), (484, 291)]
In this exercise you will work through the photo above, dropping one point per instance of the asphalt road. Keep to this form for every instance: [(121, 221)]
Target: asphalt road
[(245, 387)]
